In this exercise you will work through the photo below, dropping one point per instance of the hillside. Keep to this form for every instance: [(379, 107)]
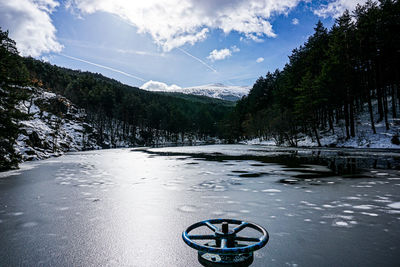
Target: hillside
[(364, 138), (199, 98), (53, 126)]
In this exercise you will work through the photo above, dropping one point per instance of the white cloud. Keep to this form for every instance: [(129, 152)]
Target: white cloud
[(30, 25), (175, 23), (222, 53), (219, 54), (337, 7), (159, 86), (295, 21), (260, 59)]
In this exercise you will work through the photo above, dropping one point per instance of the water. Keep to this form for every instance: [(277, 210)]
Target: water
[(127, 207)]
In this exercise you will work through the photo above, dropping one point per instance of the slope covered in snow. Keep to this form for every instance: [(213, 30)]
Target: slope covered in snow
[(364, 138), (54, 126)]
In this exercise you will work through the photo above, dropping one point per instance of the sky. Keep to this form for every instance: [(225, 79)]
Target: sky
[(167, 44)]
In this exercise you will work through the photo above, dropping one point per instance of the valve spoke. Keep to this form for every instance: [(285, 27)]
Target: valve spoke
[(248, 239), (202, 237), (240, 227), (211, 226)]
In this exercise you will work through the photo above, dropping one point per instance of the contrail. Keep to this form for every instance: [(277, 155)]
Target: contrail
[(198, 59), (104, 67)]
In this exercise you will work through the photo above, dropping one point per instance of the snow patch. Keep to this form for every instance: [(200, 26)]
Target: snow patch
[(363, 207), (395, 205), (364, 138), (271, 191), (340, 224), (46, 134)]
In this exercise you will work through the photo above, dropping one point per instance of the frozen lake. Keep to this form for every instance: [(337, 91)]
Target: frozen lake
[(128, 207)]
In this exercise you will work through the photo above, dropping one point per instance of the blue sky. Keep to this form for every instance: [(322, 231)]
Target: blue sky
[(185, 43)]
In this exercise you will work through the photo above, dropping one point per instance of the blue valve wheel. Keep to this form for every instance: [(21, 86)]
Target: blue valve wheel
[(226, 240)]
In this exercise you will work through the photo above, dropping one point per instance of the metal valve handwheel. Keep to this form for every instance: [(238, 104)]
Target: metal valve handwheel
[(224, 247)]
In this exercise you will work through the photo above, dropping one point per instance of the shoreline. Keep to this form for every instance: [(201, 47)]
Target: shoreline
[(266, 145)]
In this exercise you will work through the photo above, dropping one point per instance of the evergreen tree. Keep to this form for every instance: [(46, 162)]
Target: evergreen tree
[(13, 75)]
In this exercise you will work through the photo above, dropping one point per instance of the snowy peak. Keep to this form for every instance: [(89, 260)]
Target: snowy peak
[(217, 90)]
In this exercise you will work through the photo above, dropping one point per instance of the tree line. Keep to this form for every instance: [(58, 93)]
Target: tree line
[(329, 80)]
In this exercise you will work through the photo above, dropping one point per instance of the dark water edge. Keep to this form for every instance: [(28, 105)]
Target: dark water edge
[(341, 161)]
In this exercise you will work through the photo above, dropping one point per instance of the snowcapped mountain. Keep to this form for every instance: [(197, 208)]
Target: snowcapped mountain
[(217, 90)]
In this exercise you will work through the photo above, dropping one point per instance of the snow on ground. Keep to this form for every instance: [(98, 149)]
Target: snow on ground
[(44, 134), (395, 205), (364, 138)]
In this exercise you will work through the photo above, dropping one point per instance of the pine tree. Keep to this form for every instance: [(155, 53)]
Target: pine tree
[(13, 74)]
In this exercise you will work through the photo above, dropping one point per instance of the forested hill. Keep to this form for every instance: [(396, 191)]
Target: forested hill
[(111, 104), (338, 83), (199, 98), (57, 79)]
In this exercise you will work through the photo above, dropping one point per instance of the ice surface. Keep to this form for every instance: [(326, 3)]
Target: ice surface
[(126, 200), (271, 190)]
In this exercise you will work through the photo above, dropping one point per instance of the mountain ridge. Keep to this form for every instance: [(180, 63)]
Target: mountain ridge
[(215, 90)]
